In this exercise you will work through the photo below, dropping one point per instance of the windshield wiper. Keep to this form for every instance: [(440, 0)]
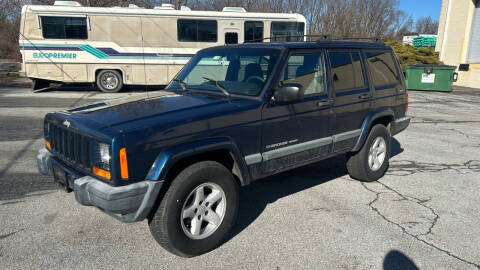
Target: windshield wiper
[(182, 83), (219, 86)]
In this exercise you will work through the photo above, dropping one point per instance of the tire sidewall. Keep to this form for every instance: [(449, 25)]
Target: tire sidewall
[(106, 90), (177, 237), (377, 131)]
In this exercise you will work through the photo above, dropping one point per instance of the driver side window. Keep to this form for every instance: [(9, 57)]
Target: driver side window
[(306, 69)]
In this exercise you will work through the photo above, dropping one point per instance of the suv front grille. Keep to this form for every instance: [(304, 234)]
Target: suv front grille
[(70, 146)]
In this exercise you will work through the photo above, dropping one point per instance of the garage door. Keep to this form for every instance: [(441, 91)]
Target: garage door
[(474, 46)]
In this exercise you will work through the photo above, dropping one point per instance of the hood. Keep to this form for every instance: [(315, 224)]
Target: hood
[(120, 113)]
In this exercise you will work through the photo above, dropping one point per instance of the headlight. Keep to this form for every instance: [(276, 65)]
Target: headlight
[(101, 156)]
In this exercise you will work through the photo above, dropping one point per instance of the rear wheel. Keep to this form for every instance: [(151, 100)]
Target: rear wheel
[(198, 210), (109, 81), (371, 162)]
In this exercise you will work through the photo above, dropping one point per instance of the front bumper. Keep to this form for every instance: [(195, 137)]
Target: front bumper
[(400, 125), (128, 203)]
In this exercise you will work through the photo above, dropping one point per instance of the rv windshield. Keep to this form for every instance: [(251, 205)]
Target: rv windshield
[(240, 71)]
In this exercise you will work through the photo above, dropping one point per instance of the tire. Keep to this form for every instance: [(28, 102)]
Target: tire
[(109, 81), (169, 227), (359, 166)]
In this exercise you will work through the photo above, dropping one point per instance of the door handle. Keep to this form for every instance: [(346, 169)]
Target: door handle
[(364, 96), (324, 103)]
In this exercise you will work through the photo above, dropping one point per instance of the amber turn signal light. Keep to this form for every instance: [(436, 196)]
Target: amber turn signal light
[(100, 172), (123, 163), (47, 144)]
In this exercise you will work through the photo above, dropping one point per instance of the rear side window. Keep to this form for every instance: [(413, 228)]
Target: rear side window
[(347, 70), (382, 67), (197, 30), (64, 27)]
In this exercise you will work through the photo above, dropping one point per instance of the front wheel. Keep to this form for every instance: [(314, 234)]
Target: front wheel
[(371, 162), (197, 211), (109, 81)]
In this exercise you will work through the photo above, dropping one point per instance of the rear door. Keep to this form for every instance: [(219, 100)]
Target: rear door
[(230, 30), (352, 96), (297, 132), (385, 79)]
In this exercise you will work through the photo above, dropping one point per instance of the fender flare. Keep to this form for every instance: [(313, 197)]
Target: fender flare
[(367, 124), (168, 157)]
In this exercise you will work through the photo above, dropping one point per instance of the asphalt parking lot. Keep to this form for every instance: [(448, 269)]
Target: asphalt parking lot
[(425, 212)]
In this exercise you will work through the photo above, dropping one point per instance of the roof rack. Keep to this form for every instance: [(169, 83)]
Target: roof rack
[(320, 38), (364, 39)]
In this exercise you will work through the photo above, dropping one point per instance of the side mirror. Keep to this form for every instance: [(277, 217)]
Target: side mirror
[(288, 92)]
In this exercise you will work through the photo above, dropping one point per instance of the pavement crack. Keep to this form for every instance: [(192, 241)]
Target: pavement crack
[(404, 230), (409, 167), (3, 236)]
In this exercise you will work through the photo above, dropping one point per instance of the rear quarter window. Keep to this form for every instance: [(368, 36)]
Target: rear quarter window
[(383, 69)]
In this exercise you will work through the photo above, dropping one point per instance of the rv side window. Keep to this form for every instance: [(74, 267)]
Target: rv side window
[(383, 68), (197, 30), (253, 31), (64, 27), (287, 31)]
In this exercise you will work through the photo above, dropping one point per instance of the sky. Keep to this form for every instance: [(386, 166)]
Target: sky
[(421, 8)]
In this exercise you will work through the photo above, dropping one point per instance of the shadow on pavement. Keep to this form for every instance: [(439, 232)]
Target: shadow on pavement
[(88, 87), (397, 260), (255, 197), (396, 148)]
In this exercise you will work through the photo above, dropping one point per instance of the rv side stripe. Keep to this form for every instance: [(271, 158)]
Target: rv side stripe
[(103, 53)]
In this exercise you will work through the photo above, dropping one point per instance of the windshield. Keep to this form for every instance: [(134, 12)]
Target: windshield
[(240, 71)]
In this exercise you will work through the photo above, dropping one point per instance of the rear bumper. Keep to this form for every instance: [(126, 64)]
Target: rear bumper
[(128, 203), (400, 125)]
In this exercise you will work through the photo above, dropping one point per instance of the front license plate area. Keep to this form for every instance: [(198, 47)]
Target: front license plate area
[(60, 177)]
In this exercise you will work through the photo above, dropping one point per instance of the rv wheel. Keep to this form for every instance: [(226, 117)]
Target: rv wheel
[(109, 81)]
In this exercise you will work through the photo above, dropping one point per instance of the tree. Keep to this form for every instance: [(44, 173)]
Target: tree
[(409, 55), (426, 25)]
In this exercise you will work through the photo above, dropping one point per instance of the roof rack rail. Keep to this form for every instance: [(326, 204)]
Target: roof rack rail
[(364, 39), (309, 37), (320, 38)]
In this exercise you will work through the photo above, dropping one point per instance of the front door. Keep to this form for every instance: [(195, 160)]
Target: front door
[(297, 132)]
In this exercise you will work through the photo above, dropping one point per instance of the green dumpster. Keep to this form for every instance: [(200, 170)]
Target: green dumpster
[(431, 77)]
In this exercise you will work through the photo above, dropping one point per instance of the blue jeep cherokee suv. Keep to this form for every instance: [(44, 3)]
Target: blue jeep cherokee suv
[(233, 114)]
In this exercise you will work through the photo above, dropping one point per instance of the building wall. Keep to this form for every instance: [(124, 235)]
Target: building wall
[(454, 38)]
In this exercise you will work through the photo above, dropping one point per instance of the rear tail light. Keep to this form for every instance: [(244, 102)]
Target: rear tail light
[(21, 58), (406, 101)]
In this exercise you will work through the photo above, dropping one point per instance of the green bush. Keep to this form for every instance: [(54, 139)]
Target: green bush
[(409, 55)]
